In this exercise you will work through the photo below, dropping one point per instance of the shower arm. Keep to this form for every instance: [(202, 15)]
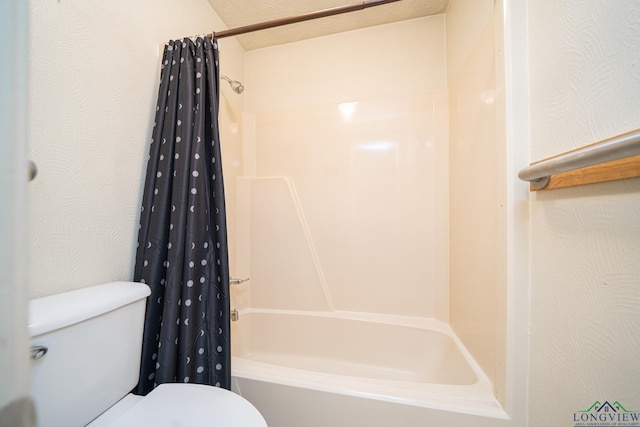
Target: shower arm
[(236, 86)]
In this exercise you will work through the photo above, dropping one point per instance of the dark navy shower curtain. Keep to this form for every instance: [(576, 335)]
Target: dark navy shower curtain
[(182, 242)]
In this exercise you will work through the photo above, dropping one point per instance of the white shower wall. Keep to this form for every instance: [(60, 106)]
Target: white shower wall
[(357, 123), (477, 187)]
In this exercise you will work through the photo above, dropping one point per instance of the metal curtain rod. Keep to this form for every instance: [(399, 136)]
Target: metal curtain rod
[(618, 147), (298, 18)]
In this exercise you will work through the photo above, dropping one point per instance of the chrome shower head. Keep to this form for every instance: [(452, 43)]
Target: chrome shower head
[(236, 86)]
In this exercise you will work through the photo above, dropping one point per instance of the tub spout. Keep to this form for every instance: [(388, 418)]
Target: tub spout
[(234, 315), (236, 281)]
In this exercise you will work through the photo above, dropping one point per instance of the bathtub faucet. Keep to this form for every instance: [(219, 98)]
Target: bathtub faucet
[(235, 281)]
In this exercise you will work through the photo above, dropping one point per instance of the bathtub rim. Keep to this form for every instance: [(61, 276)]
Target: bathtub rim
[(474, 399)]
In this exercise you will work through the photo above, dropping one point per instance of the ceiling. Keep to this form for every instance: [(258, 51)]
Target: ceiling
[(237, 13)]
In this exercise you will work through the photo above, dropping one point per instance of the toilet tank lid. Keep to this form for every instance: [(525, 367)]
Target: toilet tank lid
[(57, 311)]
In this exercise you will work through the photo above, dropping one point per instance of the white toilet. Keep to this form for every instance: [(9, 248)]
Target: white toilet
[(86, 349)]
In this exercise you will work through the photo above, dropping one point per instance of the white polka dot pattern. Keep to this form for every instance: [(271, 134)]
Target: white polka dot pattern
[(182, 243)]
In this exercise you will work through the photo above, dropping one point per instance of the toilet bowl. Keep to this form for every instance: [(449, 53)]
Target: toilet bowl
[(86, 357), (175, 405)]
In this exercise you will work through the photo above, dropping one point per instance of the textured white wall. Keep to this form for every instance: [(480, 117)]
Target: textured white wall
[(93, 88), (585, 284)]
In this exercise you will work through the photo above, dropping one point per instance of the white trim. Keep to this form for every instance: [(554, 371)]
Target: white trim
[(14, 364), (517, 205)]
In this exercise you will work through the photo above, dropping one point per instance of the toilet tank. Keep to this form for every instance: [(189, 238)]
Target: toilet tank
[(93, 340)]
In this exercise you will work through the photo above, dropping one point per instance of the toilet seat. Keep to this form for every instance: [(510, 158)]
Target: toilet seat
[(186, 405)]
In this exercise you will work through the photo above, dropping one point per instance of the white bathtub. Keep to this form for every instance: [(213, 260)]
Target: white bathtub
[(307, 369)]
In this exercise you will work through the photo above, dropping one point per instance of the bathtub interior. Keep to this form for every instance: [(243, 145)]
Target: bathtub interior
[(351, 345), (319, 357)]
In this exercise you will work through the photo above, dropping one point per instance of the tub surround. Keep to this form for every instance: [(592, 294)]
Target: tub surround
[(346, 212), (477, 190), (346, 206)]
